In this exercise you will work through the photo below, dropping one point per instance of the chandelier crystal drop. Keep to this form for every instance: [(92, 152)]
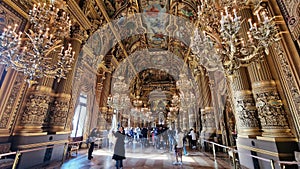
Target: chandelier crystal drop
[(39, 52), (231, 48)]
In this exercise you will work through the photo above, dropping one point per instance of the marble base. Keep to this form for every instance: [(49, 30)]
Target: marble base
[(277, 150), (43, 156)]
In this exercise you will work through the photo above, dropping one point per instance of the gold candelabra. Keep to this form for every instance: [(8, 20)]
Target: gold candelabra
[(39, 52)]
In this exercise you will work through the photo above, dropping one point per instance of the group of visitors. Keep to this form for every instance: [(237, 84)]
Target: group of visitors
[(161, 137)]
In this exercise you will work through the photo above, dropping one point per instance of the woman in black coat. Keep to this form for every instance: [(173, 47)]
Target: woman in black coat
[(119, 150)]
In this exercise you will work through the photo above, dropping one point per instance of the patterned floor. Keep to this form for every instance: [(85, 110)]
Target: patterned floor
[(146, 158)]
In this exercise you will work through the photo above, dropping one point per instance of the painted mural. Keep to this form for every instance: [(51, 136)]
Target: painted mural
[(155, 23)]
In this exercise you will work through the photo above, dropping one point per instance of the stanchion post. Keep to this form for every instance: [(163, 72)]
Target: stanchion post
[(272, 164), (65, 152), (214, 150), (233, 158), (16, 161)]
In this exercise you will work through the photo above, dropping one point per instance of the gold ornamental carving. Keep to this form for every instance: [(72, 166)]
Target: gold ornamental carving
[(271, 113), (292, 89), (246, 113), (35, 110), (290, 11), (58, 113)]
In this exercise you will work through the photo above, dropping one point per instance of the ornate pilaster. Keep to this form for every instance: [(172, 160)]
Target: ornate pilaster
[(11, 95), (271, 114), (215, 104), (32, 117), (244, 105)]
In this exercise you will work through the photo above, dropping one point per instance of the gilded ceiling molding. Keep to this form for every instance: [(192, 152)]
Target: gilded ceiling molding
[(77, 13)]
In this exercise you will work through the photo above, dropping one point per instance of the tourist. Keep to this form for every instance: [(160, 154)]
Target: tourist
[(119, 150), (178, 147), (91, 141)]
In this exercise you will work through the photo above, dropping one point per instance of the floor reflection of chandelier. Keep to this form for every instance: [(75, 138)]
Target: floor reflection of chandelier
[(41, 52), (234, 49)]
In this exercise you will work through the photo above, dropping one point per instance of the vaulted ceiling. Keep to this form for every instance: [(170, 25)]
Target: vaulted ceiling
[(147, 40)]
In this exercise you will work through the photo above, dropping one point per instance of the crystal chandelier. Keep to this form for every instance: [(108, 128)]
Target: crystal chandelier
[(40, 52), (120, 86), (137, 102), (184, 83), (118, 101), (221, 30)]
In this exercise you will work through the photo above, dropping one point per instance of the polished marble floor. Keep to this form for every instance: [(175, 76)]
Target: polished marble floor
[(138, 157)]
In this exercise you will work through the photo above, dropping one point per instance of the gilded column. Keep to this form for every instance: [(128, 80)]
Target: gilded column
[(62, 108), (103, 98), (207, 108), (271, 114), (244, 105)]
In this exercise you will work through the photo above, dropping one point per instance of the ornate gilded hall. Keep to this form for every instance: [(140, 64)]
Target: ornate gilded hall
[(227, 69)]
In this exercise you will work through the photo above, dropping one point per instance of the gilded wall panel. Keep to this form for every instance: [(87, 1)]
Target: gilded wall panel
[(8, 116)]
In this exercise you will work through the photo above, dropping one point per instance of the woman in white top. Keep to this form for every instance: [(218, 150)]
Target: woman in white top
[(194, 140), (179, 146)]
